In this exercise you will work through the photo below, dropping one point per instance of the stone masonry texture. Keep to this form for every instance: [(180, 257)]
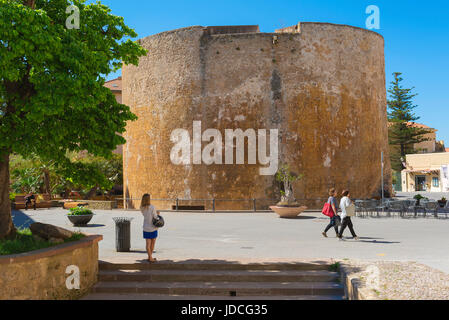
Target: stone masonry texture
[(44, 277), (321, 85)]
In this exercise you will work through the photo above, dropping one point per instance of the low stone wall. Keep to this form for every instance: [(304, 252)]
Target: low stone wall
[(100, 205), (393, 280), (41, 274), (354, 284)]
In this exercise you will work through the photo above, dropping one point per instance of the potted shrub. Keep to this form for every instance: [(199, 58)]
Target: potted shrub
[(288, 207), (419, 198), (442, 202), (80, 216)]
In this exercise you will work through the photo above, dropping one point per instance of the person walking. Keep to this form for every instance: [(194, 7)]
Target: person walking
[(335, 219), (149, 229), (345, 203)]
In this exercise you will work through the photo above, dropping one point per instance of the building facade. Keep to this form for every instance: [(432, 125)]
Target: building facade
[(426, 172), (432, 144), (317, 88)]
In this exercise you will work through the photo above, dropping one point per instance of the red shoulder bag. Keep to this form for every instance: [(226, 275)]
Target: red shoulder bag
[(327, 210)]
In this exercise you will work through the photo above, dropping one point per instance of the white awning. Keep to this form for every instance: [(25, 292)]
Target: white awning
[(424, 171)]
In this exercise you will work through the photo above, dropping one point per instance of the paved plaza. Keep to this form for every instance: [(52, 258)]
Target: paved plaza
[(263, 236)]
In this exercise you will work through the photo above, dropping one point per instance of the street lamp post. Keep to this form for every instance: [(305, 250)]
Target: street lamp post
[(382, 178)]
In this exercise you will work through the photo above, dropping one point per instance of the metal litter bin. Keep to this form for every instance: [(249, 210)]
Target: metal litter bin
[(122, 234)]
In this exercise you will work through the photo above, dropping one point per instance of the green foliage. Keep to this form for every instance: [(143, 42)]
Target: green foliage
[(284, 174), (335, 267), (401, 135), (25, 242), (52, 97), (287, 178), (26, 180), (83, 173), (419, 197), (80, 212), (12, 196)]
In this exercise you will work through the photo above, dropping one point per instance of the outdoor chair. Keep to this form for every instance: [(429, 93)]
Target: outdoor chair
[(370, 207), (362, 208), (359, 209), (431, 206), (384, 207), (410, 206), (398, 206), (444, 210), (421, 207)]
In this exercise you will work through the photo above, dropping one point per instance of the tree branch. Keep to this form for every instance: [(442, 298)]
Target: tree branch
[(30, 3)]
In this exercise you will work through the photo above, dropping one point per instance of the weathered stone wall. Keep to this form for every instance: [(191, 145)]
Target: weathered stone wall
[(100, 205), (322, 86), (40, 275)]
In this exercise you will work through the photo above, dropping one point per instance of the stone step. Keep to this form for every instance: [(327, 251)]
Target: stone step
[(162, 265), (222, 288), (146, 296), (217, 275)]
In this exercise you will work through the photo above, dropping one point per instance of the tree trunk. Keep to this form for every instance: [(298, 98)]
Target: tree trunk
[(91, 193), (47, 182), (7, 229)]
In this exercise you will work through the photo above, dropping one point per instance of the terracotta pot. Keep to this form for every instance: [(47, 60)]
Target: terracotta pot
[(288, 212)]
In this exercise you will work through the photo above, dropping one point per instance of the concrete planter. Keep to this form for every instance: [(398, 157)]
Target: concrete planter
[(288, 212), (42, 274), (80, 220)]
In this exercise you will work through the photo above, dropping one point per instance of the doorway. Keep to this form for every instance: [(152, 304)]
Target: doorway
[(420, 182)]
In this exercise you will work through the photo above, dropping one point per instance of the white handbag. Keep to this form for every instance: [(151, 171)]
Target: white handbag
[(350, 211)]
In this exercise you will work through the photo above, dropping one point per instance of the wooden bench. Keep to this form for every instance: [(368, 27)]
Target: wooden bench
[(45, 202)]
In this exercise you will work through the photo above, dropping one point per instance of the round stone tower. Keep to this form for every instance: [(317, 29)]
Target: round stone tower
[(318, 89)]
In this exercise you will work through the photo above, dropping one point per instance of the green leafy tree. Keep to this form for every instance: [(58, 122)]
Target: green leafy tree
[(91, 173), (26, 180), (402, 135), (41, 169), (287, 178), (52, 98)]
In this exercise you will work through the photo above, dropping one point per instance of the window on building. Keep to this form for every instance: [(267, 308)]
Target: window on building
[(435, 182)]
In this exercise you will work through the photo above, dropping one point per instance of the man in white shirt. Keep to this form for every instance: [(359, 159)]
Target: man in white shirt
[(345, 202)]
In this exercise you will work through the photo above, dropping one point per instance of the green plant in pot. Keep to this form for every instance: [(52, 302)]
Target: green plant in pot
[(80, 216), (288, 207), (442, 202), (419, 197), (287, 178)]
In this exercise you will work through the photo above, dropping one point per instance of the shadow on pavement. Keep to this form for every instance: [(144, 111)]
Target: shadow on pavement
[(380, 242), (300, 218), (139, 251), (94, 226), (322, 262), (21, 220)]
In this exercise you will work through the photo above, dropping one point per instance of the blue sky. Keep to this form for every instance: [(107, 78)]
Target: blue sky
[(416, 34)]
